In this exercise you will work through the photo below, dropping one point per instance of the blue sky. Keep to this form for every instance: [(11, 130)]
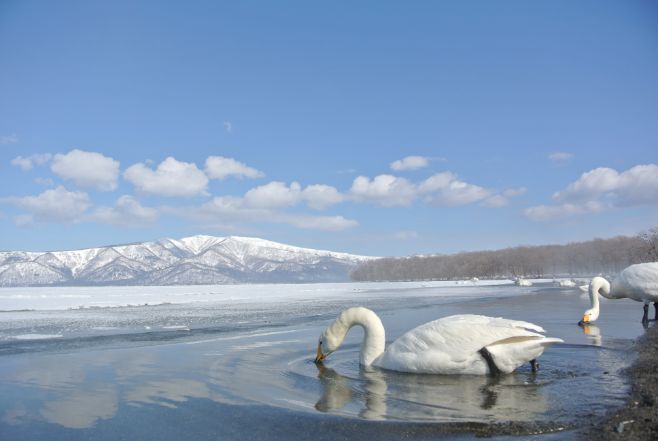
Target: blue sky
[(381, 128)]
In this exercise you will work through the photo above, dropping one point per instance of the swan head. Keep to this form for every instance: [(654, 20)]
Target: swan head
[(589, 316), (327, 343)]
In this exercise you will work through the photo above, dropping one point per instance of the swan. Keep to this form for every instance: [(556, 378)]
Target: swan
[(459, 344), (638, 282)]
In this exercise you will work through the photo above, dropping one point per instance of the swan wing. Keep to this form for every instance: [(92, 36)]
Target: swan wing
[(451, 344)]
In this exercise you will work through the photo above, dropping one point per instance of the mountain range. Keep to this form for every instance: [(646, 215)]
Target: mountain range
[(192, 260)]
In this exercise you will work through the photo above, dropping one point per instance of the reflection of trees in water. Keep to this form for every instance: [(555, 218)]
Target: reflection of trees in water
[(384, 394)]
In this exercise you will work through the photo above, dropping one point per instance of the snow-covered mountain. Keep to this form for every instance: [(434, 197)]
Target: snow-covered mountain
[(191, 260)]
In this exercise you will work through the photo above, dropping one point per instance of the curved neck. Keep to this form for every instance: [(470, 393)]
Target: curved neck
[(599, 285), (374, 336)]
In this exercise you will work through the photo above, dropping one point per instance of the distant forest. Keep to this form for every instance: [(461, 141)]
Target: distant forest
[(598, 256)]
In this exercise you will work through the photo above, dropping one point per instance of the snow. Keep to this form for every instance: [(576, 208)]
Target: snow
[(63, 298), (227, 259)]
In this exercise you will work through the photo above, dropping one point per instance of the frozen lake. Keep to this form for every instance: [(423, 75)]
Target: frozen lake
[(235, 362)]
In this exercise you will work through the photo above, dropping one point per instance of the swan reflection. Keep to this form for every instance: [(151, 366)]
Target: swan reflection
[(379, 394), (593, 334)]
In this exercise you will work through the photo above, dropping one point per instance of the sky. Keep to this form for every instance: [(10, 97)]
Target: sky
[(382, 128)]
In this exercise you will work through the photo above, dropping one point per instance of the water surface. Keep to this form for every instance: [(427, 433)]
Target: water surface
[(238, 369)]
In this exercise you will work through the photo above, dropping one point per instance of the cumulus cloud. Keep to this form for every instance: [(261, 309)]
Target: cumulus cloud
[(445, 189), (56, 205), (602, 188), (171, 178), (87, 169), (29, 162), (635, 186), (320, 196), (410, 163), (274, 195), (384, 190), (503, 199), (126, 212), (560, 157), (218, 167)]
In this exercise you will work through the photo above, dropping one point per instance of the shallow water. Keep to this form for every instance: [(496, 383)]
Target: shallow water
[(244, 370)]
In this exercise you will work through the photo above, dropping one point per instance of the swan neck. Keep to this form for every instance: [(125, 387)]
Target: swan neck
[(599, 285), (374, 336)]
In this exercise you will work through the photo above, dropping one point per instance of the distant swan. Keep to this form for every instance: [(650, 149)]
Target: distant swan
[(638, 282), (459, 344)]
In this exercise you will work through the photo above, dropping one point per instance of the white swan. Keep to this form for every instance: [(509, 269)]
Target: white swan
[(638, 282), (459, 344)]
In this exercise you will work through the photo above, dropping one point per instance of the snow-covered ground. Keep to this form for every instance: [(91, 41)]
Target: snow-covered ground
[(59, 298)]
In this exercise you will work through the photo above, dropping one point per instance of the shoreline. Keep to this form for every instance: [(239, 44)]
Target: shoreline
[(638, 418)]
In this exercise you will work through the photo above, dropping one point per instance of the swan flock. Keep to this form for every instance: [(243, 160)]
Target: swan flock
[(459, 344)]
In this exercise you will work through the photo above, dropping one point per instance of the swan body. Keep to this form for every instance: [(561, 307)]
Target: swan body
[(638, 282), (459, 344)]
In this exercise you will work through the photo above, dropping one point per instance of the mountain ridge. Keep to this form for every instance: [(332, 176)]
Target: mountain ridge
[(197, 259)]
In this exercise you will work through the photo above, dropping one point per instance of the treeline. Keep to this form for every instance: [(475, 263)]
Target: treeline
[(607, 256)]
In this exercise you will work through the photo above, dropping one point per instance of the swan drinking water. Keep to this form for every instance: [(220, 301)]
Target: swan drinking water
[(459, 344), (638, 282)]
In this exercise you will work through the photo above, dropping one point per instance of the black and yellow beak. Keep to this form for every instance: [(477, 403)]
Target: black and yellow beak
[(584, 321), (319, 356)]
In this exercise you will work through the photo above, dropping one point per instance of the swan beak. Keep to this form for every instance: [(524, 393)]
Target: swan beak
[(319, 356), (584, 321)]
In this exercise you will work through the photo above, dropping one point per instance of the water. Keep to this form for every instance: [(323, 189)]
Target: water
[(240, 366)]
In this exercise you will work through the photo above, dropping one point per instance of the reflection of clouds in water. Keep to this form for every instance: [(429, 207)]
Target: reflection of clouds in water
[(52, 375), (79, 391), (383, 394), (167, 392), (16, 415), (81, 408)]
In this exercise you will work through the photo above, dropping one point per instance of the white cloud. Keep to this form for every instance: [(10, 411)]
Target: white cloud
[(273, 195), (602, 188), (323, 223), (503, 199), (171, 178), (55, 205), (320, 196), (127, 212), (28, 162), (8, 139), (445, 189), (227, 210), (635, 186), (551, 212), (218, 167), (87, 169), (437, 182), (410, 163), (384, 190), (560, 157)]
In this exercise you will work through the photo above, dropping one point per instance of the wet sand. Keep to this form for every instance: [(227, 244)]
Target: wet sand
[(638, 419)]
